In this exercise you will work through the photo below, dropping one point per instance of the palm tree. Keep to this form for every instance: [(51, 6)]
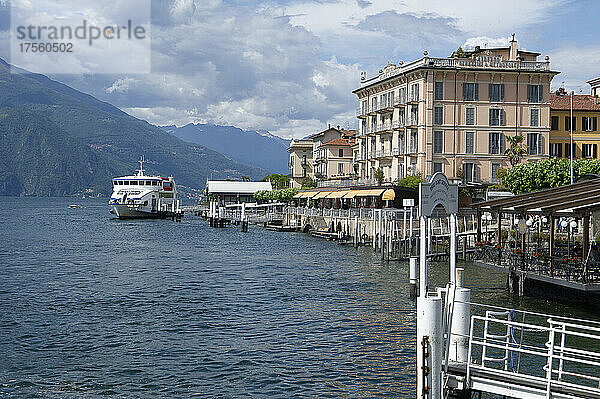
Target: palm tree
[(516, 151)]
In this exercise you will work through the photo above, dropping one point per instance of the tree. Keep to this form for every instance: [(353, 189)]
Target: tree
[(245, 178), (278, 180), (308, 182), (547, 173), (516, 151), (411, 181), (460, 53), (379, 175)]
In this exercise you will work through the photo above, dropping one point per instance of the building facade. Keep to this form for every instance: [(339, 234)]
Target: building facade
[(595, 86), (300, 162), (452, 115), (584, 125), (235, 192), (336, 159)]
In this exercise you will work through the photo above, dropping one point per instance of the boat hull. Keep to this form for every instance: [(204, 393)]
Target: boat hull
[(123, 211)]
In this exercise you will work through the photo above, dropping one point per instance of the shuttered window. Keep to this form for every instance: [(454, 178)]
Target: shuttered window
[(496, 92)]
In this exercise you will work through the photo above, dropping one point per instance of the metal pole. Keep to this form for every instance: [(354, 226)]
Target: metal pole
[(453, 248), (423, 257), (461, 321), (571, 136)]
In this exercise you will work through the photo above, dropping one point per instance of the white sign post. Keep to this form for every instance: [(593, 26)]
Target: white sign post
[(435, 193)]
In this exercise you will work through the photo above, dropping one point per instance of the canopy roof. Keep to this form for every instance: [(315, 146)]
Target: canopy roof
[(578, 198), (236, 187)]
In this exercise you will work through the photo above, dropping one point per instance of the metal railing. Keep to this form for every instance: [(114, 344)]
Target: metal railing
[(536, 262), (556, 356)]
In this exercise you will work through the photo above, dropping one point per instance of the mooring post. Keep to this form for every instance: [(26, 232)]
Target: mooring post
[(429, 347), (461, 321)]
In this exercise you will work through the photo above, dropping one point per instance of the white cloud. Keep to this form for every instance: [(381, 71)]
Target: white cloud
[(486, 42), (577, 65)]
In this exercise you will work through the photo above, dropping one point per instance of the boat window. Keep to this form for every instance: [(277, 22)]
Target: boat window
[(149, 182), (126, 182)]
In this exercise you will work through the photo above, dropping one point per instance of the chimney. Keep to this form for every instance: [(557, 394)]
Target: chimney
[(329, 126), (513, 49)]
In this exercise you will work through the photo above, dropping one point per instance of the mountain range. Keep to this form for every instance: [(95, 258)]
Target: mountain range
[(251, 147), (57, 141)]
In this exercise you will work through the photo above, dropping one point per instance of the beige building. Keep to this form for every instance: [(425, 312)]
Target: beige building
[(336, 159), (453, 114), (301, 161), (320, 155)]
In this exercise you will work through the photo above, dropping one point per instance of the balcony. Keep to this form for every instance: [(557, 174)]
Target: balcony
[(396, 152), (398, 125), (399, 103), (384, 153), (361, 113), (384, 127), (373, 110), (414, 121)]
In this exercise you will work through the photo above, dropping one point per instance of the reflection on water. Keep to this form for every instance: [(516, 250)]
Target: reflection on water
[(154, 308)]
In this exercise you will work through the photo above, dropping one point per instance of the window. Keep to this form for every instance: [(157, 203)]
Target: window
[(340, 168), (469, 172), (303, 172), (534, 117), (400, 171), (556, 150), (438, 115), (568, 149), (402, 95), (470, 116), (373, 103), (439, 91), (496, 92), (414, 138), (363, 107), (438, 167), (414, 92), (470, 142), (589, 124), (414, 115), (401, 118), (494, 174), (401, 143), (438, 142), (568, 123), (391, 99), (497, 117), (534, 93), (534, 143), (554, 123), (341, 152), (589, 150), (470, 91), (496, 143)]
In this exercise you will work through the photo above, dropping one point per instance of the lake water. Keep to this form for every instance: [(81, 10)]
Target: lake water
[(91, 306)]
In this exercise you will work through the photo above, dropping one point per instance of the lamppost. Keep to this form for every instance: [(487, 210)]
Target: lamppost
[(516, 223), (572, 225), (529, 223), (571, 136)]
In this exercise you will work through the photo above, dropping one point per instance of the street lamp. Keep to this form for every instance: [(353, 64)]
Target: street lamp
[(516, 222), (571, 136)]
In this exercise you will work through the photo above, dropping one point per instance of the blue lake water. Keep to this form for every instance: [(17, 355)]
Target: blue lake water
[(92, 306)]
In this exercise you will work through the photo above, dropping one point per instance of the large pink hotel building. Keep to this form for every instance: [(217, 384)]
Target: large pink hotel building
[(453, 114)]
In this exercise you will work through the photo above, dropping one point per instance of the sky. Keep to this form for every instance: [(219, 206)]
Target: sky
[(289, 66)]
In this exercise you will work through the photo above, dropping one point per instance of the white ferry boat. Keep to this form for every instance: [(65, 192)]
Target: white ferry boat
[(141, 196)]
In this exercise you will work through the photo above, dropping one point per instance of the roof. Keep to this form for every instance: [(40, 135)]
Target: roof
[(320, 133), (338, 142), (581, 102), (594, 82), (237, 187), (580, 197)]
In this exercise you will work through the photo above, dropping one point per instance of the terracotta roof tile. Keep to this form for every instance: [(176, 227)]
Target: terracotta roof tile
[(581, 102), (338, 142)]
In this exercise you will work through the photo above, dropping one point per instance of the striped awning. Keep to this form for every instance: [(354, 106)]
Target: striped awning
[(306, 194), (351, 193), (371, 193), (321, 194), (337, 194), (388, 195)]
